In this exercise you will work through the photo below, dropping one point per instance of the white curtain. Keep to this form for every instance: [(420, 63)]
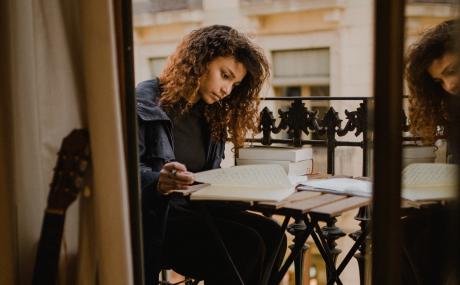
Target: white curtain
[(62, 75)]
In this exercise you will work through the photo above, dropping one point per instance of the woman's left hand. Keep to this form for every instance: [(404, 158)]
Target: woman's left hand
[(174, 176)]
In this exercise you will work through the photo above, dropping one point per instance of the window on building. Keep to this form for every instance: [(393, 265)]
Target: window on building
[(301, 67), (304, 72)]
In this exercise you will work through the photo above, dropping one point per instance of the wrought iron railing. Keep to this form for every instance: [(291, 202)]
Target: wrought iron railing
[(299, 119)]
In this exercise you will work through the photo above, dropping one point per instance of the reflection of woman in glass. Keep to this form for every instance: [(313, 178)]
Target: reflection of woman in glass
[(207, 92), (432, 74)]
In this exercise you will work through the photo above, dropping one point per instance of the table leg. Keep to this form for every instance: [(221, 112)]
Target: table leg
[(298, 230), (331, 233), (364, 217), (268, 271), (295, 251), (325, 241)]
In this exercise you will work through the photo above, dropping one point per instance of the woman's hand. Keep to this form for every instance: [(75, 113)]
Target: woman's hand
[(174, 176)]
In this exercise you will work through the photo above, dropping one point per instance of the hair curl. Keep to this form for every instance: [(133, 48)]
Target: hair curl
[(427, 98), (237, 113)]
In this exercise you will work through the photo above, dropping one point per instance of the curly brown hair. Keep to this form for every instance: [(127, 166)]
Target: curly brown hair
[(427, 98), (237, 113)]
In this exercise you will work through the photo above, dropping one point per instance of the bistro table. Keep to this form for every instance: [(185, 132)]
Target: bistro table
[(307, 209)]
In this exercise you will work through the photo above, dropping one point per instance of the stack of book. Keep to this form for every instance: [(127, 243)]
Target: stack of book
[(295, 161)]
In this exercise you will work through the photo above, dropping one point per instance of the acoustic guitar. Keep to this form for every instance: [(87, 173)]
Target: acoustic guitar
[(68, 180)]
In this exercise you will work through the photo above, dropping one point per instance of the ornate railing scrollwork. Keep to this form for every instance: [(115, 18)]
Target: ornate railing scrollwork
[(356, 120), (299, 119)]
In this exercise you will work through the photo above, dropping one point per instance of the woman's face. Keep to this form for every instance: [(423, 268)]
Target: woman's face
[(222, 75), (445, 71)]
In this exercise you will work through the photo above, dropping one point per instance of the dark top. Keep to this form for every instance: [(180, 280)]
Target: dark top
[(191, 138)]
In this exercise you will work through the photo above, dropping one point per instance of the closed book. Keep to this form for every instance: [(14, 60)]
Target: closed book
[(292, 168), (276, 153), (345, 186)]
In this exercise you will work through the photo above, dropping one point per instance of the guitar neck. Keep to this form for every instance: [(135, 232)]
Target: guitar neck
[(47, 261), (68, 180)]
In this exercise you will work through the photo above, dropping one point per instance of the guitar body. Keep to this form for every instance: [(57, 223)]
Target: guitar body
[(68, 180)]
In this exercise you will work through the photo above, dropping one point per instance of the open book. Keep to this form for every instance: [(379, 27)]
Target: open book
[(420, 182), (429, 181), (265, 182)]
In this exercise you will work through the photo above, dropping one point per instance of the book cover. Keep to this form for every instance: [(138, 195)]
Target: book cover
[(264, 182), (301, 167), (276, 153)]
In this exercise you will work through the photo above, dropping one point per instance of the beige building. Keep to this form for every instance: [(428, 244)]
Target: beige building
[(309, 43), (316, 48)]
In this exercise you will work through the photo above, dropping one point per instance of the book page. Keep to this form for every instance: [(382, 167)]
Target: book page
[(263, 175), (429, 175), (341, 186), (429, 194), (242, 193)]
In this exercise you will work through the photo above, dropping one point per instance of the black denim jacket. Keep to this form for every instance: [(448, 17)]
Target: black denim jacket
[(156, 141), (156, 147)]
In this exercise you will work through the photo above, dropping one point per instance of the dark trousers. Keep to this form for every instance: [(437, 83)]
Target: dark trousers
[(425, 247), (191, 248)]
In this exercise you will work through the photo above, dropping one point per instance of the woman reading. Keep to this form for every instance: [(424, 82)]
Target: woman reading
[(207, 93), (433, 78)]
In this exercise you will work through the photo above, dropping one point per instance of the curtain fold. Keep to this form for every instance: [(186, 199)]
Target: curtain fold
[(63, 75), (110, 193)]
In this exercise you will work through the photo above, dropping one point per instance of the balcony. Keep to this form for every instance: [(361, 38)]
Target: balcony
[(266, 7)]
